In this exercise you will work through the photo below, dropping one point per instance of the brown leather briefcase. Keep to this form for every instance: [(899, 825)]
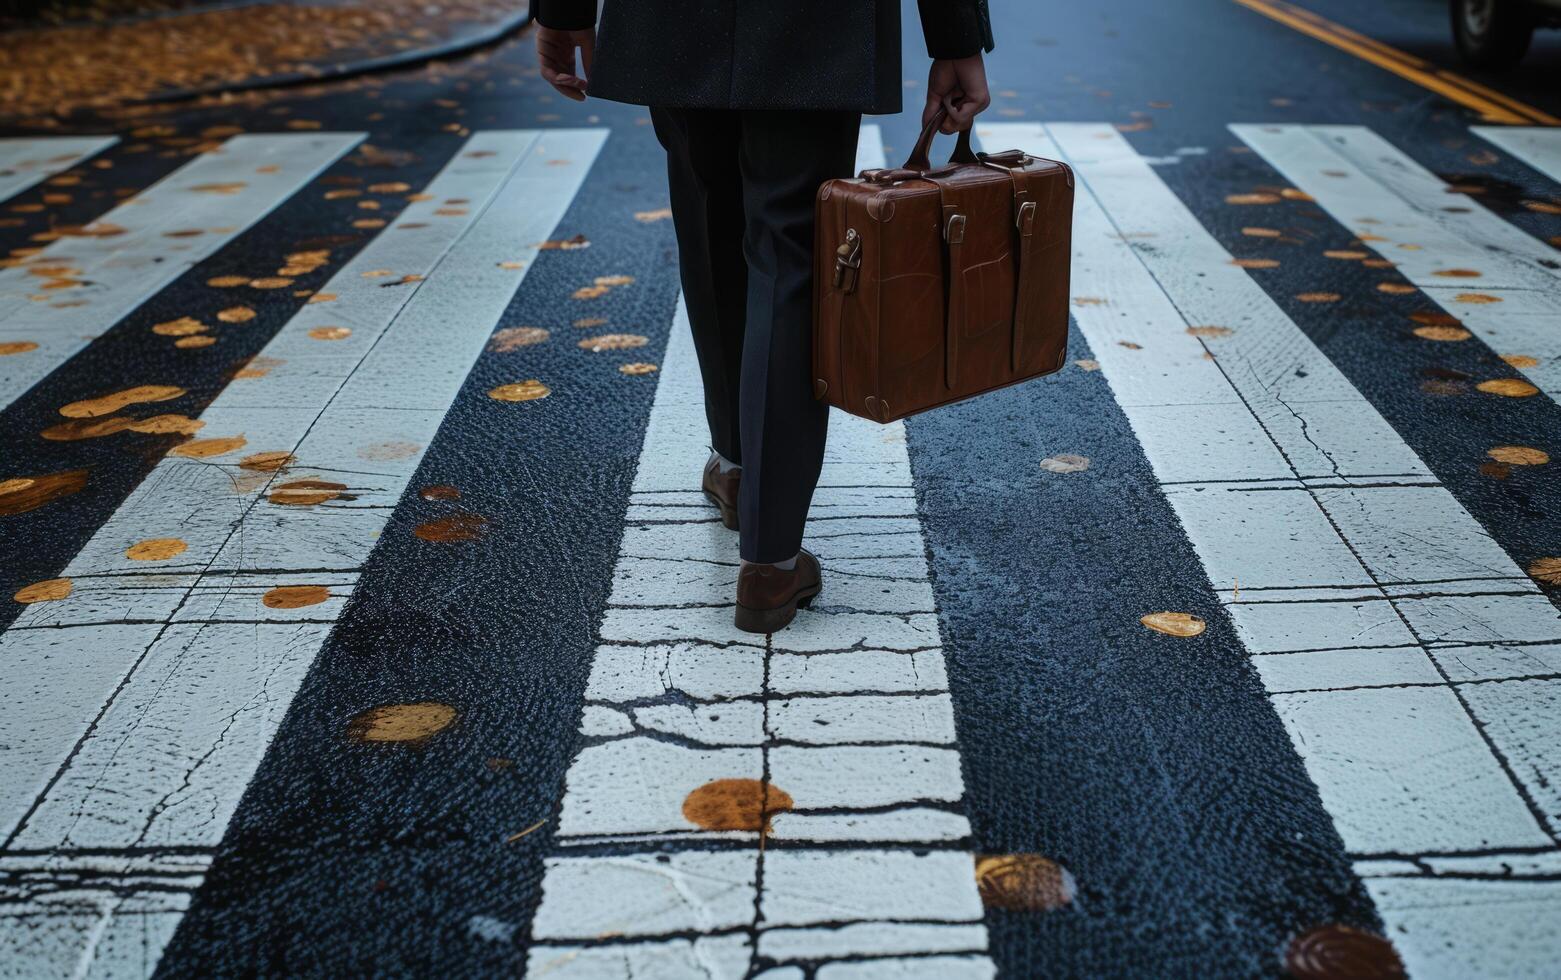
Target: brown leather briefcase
[(933, 284)]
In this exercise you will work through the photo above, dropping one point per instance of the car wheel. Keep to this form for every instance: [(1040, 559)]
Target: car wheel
[(1491, 33)]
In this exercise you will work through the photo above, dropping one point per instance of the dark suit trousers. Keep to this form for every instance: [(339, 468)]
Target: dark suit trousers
[(743, 183)]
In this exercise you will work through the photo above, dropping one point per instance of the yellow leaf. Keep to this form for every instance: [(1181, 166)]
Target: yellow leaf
[(1174, 623)]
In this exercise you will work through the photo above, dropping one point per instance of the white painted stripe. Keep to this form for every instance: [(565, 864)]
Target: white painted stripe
[(174, 692), (25, 161), (869, 147), (846, 711), (1539, 147), (1401, 210), (218, 195), (1402, 769)]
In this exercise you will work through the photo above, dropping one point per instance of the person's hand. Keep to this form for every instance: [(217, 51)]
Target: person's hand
[(556, 55), (958, 85)]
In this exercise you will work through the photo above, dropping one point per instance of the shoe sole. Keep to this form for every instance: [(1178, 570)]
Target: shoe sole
[(774, 620), (728, 513)]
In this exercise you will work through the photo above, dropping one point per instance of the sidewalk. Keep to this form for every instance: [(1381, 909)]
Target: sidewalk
[(91, 55)]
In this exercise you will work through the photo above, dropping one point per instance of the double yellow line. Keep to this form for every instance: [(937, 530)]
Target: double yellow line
[(1490, 104)]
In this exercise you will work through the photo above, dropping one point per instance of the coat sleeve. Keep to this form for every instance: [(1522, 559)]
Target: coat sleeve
[(566, 15), (955, 28)]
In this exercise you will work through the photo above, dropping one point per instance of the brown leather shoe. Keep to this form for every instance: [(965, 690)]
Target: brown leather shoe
[(768, 597), (721, 489)]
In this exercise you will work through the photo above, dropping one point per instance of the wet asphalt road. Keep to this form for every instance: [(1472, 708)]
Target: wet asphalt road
[(1158, 770)]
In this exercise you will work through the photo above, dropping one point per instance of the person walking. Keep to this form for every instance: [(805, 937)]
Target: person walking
[(756, 105)]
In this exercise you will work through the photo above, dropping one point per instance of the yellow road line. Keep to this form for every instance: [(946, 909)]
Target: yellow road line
[(1490, 104)]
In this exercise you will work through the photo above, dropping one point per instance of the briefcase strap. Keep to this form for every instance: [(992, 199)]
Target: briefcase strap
[(954, 312), (1024, 224)]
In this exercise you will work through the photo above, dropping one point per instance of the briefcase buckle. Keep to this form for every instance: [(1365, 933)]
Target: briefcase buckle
[(848, 259), (1025, 219), (954, 229)]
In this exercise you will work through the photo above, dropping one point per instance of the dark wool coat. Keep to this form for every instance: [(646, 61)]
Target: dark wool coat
[(762, 54)]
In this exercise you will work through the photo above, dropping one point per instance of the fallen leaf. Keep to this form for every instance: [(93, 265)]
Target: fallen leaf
[(204, 448), (578, 241), (520, 391), (657, 215), (411, 723), (227, 282), (182, 327), (305, 493), (1476, 298), (109, 404), (512, 338), (1065, 463), (1023, 882), (1318, 297), (735, 804), (1087, 364), (1252, 199), (1518, 455), (1508, 387), (270, 282), (186, 343), (1457, 273), (1395, 288), (1345, 254), (1547, 570), (1261, 232), (1442, 333), (295, 596), (180, 425), (155, 549), (455, 527), (19, 495), (266, 462), (11, 347), (1521, 361), (1210, 331), (637, 367), (49, 590), (614, 341), (1255, 263), (236, 314), (330, 333), (1174, 623), (589, 292)]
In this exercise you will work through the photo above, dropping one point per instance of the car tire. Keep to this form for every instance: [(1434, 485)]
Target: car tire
[(1491, 33)]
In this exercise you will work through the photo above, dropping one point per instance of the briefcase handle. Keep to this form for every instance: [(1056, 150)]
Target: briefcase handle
[(918, 161)]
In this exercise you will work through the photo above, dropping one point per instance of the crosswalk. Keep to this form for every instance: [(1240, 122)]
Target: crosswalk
[(25, 163), (84, 282), (1377, 625), (794, 803)]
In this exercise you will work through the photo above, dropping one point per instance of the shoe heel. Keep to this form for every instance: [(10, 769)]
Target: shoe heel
[(728, 514), (765, 620)]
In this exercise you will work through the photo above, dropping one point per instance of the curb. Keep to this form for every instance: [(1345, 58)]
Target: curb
[(481, 38)]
